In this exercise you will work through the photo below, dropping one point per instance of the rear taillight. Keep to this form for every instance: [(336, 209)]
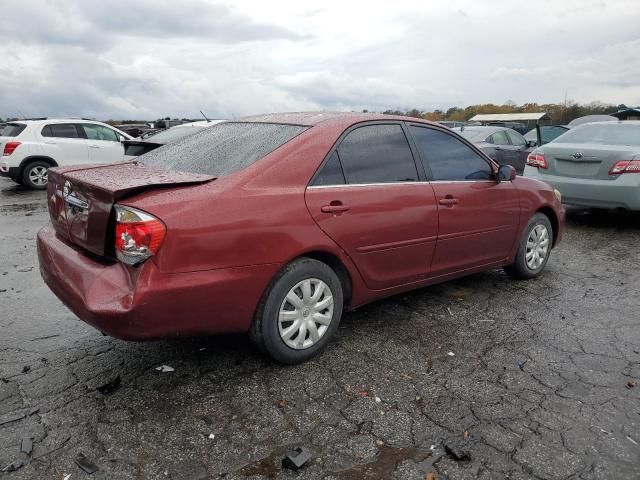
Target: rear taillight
[(625, 166), (9, 148), (537, 159), (138, 235)]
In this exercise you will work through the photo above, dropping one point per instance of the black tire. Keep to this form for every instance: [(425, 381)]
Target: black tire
[(26, 174), (519, 268), (264, 331)]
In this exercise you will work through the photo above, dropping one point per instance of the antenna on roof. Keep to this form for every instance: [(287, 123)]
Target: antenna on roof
[(205, 117)]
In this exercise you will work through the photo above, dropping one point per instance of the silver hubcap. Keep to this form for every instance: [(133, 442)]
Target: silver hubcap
[(38, 176), (305, 313), (537, 247)]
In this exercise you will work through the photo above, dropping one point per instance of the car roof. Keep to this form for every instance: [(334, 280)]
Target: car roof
[(57, 120), (611, 123), (309, 119), (200, 123), (486, 129)]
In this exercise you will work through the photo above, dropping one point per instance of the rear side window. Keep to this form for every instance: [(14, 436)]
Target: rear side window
[(12, 129), (448, 157), (331, 172), (98, 132), (222, 149), (61, 130), (377, 154)]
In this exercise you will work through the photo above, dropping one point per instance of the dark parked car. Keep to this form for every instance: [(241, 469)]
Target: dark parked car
[(275, 224), (547, 133), (505, 146), (521, 128)]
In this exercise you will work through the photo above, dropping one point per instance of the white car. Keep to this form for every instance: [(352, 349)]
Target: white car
[(29, 148)]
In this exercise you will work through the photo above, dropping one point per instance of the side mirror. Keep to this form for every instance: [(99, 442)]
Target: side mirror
[(121, 138), (506, 173), (532, 143)]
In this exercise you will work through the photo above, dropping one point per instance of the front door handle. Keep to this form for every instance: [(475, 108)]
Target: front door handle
[(448, 200), (94, 146), (334, 207)]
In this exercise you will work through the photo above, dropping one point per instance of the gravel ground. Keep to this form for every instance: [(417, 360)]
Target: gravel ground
[(482, 377)]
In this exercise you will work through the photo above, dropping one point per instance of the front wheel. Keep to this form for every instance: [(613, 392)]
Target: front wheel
[(299, 313), (35, 175), (534, 248)]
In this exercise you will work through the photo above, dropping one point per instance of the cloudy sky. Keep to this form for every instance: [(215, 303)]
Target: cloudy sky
[(152, 58)]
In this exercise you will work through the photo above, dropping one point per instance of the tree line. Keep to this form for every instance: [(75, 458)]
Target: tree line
[(559, 113)]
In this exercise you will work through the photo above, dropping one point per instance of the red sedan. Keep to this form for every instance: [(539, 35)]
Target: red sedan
[(275, 224)]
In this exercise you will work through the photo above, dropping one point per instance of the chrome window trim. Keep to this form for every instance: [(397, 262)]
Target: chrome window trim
[(399, 183)]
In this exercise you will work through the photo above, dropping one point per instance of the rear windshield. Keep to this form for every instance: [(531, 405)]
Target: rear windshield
[(173, 134), (222, 149), (12, 129), (603, 134)]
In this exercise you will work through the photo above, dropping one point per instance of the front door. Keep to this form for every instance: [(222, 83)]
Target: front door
[(369, 199), (477, 216), (104, 144)]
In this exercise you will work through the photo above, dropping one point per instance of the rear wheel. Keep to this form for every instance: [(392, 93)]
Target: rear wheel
[(534, 248), (299, 313), (35, 175)]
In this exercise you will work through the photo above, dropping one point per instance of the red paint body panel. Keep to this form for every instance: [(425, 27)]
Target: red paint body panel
[(389, 231), (227, 238), (479, 229)]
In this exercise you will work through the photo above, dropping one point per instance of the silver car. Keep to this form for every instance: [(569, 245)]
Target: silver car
[(593, 165)]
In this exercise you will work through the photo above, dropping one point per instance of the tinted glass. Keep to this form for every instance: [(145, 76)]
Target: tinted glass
[(331, 172), (12, 129), (60, 130), (377, 154), (98, 132), (222, 149), (499, 138), (612, 133), (516, 138), (449, 158), (473, 135)]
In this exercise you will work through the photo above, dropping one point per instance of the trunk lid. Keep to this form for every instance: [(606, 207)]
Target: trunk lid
[(588, 161), (81, 199)]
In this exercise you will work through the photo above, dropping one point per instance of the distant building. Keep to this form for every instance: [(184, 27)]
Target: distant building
[(628, 114)]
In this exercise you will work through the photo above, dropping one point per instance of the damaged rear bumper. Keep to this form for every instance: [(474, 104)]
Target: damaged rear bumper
[(144, 303)]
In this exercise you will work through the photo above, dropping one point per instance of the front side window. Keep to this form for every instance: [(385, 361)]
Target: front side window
[(98, 132), (377, 154), (499, 138), (448, 157), (61, 130), (516, 139)]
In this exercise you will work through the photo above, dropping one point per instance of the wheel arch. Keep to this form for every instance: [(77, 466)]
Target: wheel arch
[(553, 218), (337, 265), (33, 158)]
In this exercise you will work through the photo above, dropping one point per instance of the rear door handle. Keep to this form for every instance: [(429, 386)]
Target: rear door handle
[(334, 207), (94, 146), (448, 201)]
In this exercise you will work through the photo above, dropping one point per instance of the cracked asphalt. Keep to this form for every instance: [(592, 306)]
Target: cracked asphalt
[(483, 377)]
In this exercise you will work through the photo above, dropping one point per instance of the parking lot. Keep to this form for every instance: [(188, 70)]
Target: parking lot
[(483, 377)]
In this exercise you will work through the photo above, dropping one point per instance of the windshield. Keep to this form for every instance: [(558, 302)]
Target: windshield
[(473, 135), (173, 134), (222, 149), (603, 134), (12, 129)]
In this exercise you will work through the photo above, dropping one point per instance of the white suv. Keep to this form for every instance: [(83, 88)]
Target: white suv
[(30, 147)]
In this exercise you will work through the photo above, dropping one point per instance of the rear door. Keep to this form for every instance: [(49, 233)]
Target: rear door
[(519, 149), (104, 143), (369, 198), (477, 216), (65, 143)]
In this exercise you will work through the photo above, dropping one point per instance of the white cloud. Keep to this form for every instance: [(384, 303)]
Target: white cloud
[(149, 59)]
